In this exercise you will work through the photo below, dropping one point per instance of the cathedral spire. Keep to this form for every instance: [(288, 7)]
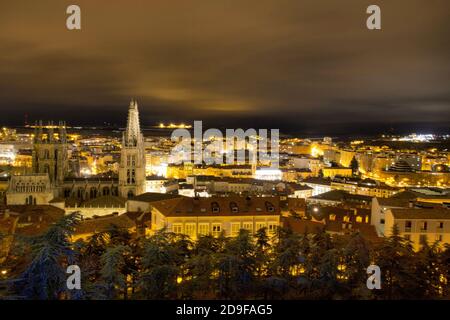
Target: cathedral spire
[(133, 130), (132, 156)]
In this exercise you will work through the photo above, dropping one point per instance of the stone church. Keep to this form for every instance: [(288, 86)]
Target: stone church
[(50, 184)]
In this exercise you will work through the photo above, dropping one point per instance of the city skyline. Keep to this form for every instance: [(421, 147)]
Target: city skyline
[(300, 67)]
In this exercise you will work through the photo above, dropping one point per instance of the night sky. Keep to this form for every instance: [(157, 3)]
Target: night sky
[(306, 66)]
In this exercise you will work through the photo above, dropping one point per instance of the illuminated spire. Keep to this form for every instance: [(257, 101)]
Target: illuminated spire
[(133, 131)]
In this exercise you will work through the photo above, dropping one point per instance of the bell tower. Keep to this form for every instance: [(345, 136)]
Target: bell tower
[(132, 156), (50, 151)]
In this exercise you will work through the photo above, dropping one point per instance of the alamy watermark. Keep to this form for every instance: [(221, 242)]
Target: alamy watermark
[(235, 147)]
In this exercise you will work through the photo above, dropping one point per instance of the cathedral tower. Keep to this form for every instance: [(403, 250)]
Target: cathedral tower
[(132, 156), (50, 151)]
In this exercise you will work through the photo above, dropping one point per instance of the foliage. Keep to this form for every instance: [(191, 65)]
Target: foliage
[(286, 265)]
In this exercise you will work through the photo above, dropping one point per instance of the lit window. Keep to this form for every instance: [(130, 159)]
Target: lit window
[(216, 229), (203, 229), (359, 219), (235, 226), (408, 225), (272, 227), (423, 225), (423, 239), (177, 228), (190, 229), (260, 225), (248, 226), (332, 217)]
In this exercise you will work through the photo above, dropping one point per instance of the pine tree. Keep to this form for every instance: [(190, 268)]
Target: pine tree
[(51, 252), (395, 257), (354, 165), (113, 278)]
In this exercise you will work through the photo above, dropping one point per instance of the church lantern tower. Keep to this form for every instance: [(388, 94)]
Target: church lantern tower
[(132, 156)]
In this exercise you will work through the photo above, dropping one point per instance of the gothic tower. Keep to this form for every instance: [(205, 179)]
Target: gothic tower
[(132, 156), (50, 151)]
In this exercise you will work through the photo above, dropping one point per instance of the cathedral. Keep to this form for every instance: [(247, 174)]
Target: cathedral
[(50, 183)]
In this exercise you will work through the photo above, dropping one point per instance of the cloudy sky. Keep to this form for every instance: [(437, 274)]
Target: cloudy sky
[(304, 65)]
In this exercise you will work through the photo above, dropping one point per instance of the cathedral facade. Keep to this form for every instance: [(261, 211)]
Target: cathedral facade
[(50, 181)]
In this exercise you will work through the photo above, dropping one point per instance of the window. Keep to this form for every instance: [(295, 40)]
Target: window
[(177, 228), (439, 237), (216, 229), (248, 226), (423, 225), (332, 217), (190, 229), (408, 225), (272, 227), (441, 225), (203, 229), (235, 226), (423, 239), (381, 221), (359, 219), (260, 225)]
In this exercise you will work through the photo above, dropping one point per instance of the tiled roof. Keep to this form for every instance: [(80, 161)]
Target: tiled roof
[(339, 195), (153, 196), (302, 226), (105, 201), (412, 213), (205, 206), (103, 223), (393, 202), (35, 219)]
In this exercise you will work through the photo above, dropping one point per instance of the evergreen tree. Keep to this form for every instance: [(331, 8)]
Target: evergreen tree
[(45, 277), (236, 267), (354, 165), (113, 278), (395, 257)]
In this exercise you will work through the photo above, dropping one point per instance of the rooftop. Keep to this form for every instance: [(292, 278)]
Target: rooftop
[(411, 213)]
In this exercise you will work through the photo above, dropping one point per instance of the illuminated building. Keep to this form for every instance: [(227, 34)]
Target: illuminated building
[(365, 187), (331, 172), (379, 208), (132, 157), (215, 215), (420, 226), (318, 185), (50, 152), (32, 189)]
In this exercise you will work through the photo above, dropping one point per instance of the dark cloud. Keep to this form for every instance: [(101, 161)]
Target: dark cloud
[(307, 66)]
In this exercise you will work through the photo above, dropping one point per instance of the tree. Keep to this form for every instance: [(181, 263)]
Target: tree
[(113, 278), (395, 257), (354, 165), (236, 267), (51, 252), (163, 257), (201, 267), (353, 266)]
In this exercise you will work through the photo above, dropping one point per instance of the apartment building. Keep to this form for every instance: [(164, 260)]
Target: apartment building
[(420, 225)]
